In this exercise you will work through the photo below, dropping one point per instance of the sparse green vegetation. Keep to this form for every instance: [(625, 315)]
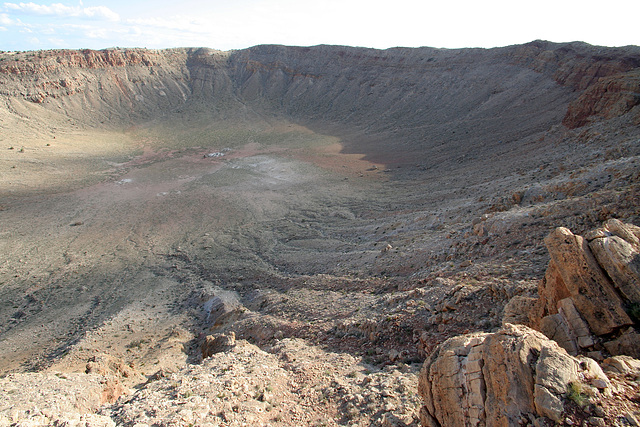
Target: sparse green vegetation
[(579, 393)]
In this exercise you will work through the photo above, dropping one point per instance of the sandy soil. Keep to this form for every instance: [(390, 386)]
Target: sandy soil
[(283, 202), (339, 255)]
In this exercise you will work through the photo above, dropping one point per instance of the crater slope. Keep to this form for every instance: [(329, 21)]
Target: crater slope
[(322, 203)]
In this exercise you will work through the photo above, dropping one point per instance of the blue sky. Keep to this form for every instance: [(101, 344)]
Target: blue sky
[(236, 24)]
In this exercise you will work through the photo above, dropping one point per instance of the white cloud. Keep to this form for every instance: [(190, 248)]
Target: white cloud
[(101, 12), (98, 33), (59, 9), (5, 20)]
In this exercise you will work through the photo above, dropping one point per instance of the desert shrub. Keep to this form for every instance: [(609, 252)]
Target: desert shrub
[(578, 393)]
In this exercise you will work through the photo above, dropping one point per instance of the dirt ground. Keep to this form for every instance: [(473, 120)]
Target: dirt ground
[(338, 257), (114, 251)]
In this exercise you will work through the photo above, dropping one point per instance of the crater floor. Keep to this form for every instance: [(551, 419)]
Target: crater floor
[(341, 253)]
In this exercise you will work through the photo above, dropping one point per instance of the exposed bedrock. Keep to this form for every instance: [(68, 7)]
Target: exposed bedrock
[(588, 301), (412, 93), (513, 377), (588, 305)]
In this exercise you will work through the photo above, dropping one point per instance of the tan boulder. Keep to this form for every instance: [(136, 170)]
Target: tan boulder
[(497, 379), (594, 375), (576, 270), (628, 343), (622, 365), (451, 383), (621, 260), (525, 373), (579, 328), (550, 290), (567, 328), (517, 311), (556, 328), (629, 232)]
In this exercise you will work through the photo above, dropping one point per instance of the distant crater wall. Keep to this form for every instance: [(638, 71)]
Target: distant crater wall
[(461, 96), (607, 77), (113, 87)]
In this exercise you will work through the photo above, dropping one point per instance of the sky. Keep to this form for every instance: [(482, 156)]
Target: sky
[(237, 24)]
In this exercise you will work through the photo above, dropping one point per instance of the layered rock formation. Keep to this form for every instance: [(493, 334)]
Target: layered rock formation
[(587, 305), (589, 298), (607, 98), (577, 65), (408, 93), (516, 376)]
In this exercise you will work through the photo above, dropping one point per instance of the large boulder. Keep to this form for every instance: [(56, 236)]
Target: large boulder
[(617, 249), (579, 276), (509, 378), (589, 298)]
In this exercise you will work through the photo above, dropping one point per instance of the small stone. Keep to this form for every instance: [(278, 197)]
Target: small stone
[(632, 419), (448, 306), (597, 421), (388, 407), (596, 355)]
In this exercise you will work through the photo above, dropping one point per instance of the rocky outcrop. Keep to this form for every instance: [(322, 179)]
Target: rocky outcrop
[(516, 376), (221, 309), (575, 274), (106, 87), (576, 65), (589, 298), (217, 343), (607, 98), (29, 63), (617, 248), (587, 305), (608, 77)]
